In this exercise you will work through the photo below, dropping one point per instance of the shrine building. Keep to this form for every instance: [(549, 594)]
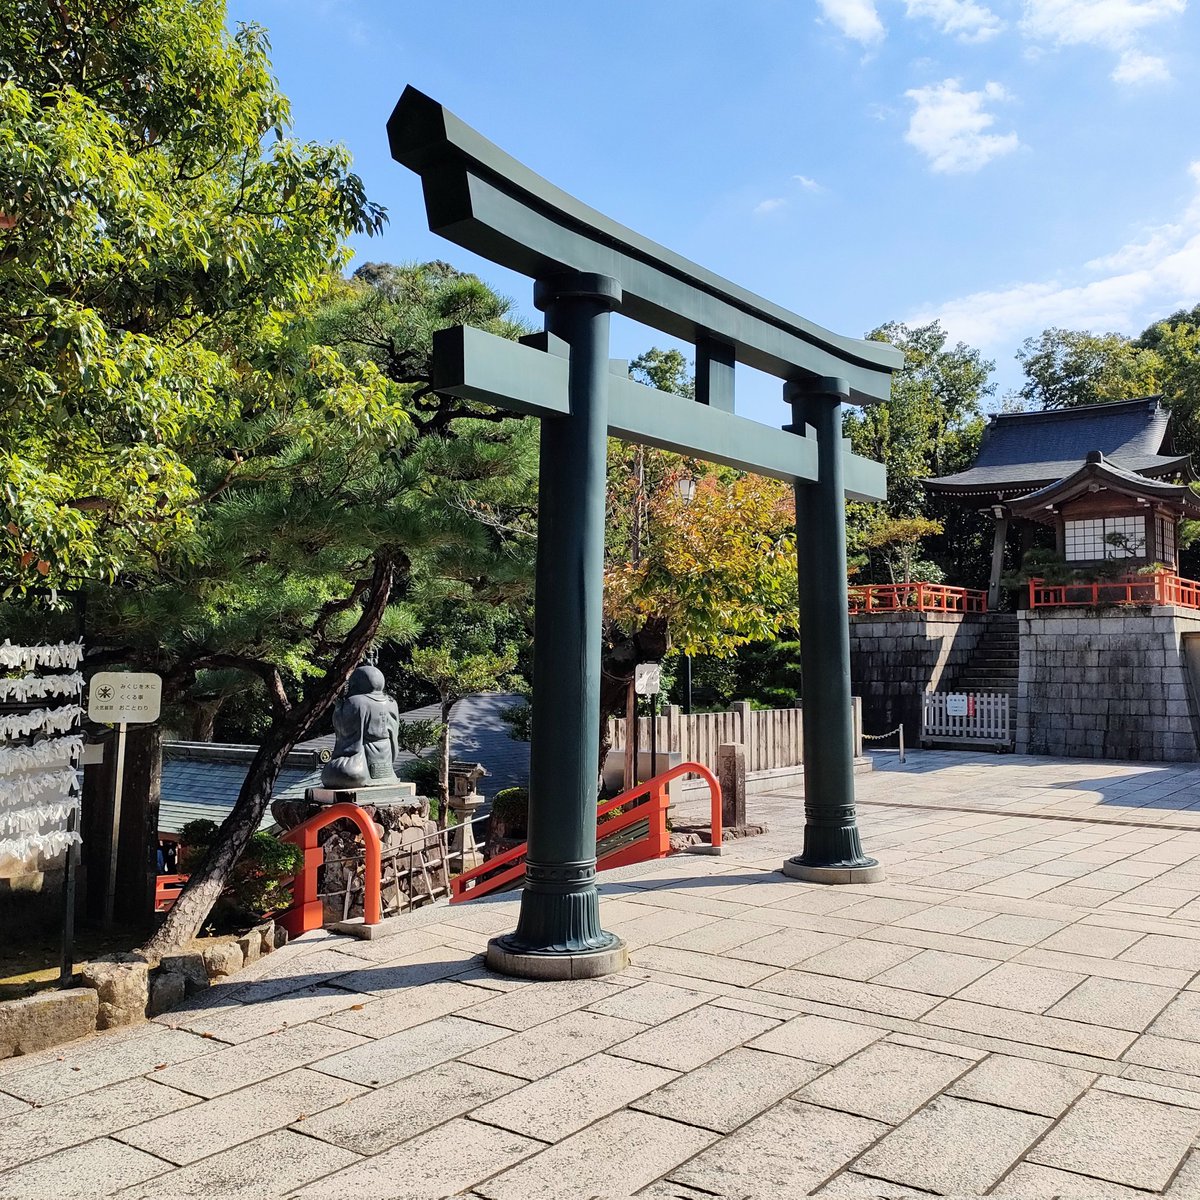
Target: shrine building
[(1093, 655)]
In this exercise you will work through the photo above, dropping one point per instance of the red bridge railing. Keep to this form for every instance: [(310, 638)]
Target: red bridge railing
[(1163, 587), (307, 912), (916, 597), (647, 802)]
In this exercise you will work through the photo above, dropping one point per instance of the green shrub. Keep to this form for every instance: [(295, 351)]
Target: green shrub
[(260, 882), (510, 812)]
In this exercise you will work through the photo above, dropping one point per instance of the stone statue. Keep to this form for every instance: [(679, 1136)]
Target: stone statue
[(366, 721)]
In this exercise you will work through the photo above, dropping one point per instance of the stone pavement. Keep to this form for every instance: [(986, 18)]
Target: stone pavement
[(1014, 1012)]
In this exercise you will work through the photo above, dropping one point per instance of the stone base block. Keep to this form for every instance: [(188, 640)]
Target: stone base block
[(874, 873), (590, 964), (47, 1019)]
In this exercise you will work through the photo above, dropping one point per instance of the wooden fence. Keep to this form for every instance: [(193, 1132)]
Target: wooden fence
[(967, 717), (772, 737)]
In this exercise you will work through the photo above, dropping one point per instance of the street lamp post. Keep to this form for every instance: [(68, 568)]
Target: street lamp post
[(685, 489)]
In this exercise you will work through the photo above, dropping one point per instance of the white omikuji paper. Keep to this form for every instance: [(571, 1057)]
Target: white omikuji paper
[(39, 784)]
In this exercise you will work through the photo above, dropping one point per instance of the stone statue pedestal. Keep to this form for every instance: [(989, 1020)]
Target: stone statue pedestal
[(372, 797)]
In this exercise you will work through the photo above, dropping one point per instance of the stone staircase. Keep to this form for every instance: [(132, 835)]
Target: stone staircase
[(993, 666)]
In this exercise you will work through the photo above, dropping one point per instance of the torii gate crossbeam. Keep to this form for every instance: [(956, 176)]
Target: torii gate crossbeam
[(584, 267)]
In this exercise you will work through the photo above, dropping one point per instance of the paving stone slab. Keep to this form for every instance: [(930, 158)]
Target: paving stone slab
[(685, 1042), (81, 1173), (632, 1147), (263, 1169), (411, 1050), (953, 1147), (849, 1185), (1044, 1089), (1104, 968), (558, 1105), (98, 1062), (440, 1162), (556, 1044), (214, 1125), (859, 959), (389, 978), (1161, 951), (650, 925), (1180, 1019), (532, 1006), (1024, 988), (245, 1022), (719, 937), (818, 1039), (237, 1066), (790, 1150), (650, 1003), (35, 1132), (1013, 1026), (786, 947), (729, 1090), (1020, 931), (701, 966), (389, 1115), (404, 1009), (1168, 1054), (1096, 941), (937, 972), (886, 1082), (849, 993), (1031, 1182), (1114, 1003), (1122, 1139)]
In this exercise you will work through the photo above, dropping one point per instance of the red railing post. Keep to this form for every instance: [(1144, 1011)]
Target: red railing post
[(306, 911)]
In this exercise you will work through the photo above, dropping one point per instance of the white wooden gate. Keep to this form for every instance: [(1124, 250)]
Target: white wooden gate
[(983, 717)]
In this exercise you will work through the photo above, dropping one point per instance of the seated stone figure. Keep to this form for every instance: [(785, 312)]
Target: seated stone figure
[(366, 721)]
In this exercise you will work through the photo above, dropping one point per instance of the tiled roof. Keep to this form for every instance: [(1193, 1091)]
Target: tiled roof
[(1023, 451), (203, 780)]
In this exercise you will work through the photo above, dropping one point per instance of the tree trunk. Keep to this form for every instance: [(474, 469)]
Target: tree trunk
[(204, 887), (444, 766)]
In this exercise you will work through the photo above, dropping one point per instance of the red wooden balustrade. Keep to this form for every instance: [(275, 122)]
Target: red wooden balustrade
[(307, 912), (915, 597), (1163, 587), (647, 802)]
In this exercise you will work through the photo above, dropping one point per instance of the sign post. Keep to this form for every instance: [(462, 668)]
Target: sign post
[(121, 698), (647, 681)]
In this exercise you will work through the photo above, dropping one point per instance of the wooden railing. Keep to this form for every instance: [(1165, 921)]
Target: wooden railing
[(915, 597), (772, 737), (647, 803), (1163, 587)]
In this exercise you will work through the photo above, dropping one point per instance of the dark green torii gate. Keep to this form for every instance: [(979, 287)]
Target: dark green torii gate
[(584, 267)]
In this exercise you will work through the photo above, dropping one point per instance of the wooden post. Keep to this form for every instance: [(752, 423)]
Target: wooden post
[(731, 774)]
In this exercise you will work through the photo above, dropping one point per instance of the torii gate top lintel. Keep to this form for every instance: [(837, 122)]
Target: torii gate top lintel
[(486, 201)]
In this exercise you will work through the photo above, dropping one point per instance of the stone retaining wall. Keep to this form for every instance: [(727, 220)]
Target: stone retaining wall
[(1106, 684), (894, 659), (124, 989)]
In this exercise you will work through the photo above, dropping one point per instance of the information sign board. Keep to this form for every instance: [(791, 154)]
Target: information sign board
[(125, 697), (647, 679)]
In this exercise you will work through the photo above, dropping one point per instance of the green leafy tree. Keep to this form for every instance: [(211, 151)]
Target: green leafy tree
[(157, 223), (1065, 368), (930, 426)]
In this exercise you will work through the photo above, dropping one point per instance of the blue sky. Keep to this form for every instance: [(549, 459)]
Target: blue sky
[(1002, 165)]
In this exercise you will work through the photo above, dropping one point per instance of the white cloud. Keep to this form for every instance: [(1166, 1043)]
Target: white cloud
[(809, 185), (1135, 67), (1110, 24), (964, 19), (950, 127), (1144, 279), (857, 19), (770, 205)]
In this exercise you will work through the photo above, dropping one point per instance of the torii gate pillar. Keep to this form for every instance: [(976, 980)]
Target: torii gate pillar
[(832, 850), (558, 934)]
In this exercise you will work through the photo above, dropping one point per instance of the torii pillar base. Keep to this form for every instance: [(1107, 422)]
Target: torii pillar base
[(506, 957)]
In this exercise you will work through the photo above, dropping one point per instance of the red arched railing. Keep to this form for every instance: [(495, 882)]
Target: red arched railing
[(306, 911), (648, 802)]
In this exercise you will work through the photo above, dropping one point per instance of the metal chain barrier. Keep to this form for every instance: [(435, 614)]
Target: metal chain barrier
[(879, 737)]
